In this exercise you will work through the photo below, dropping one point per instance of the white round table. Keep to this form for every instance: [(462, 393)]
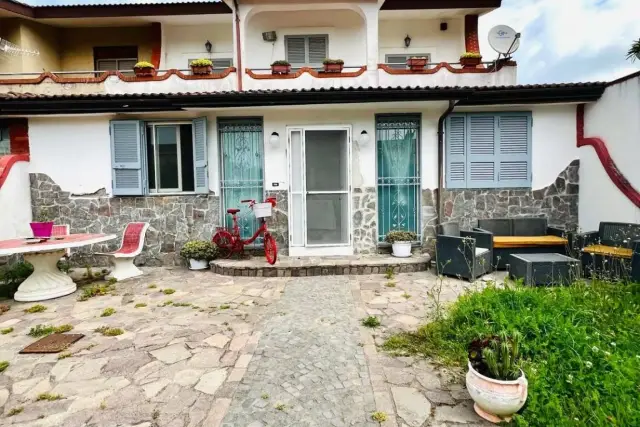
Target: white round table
[(46, 281)]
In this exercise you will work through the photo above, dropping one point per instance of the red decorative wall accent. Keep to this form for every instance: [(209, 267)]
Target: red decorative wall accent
[(102, 77), (19, 136), (471, 43), (605, 158), (301, 71), (7, 162), (448, 67), (156, 48)]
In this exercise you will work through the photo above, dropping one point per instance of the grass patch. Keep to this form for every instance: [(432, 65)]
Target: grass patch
[(280, 406), (140, 305), (225, 307), (379, 416), (44, 330), (99, 289), (168, 291), (6, 331), (264, 396), (108, 312), (390, 284), (370, 322), (3, 365), (152, 286), (580, 348), (182, 304), (49, 397), (112, 281), (64, 355), (15, 411), (38, 308), (166, 303), (109, 332), (388, 274), (406, 296)]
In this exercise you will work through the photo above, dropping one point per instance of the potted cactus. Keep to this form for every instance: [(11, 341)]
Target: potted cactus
[(333, 65), (401, 242), (416, 63), (199, 253), (470, 59), (42, 226), (495, 382), (201, 66), (144, 69), (280, 67)]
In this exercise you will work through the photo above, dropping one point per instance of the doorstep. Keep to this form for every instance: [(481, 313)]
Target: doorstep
[(320, 266)]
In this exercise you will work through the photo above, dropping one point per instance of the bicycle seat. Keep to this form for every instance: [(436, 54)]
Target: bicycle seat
[(233, 211)]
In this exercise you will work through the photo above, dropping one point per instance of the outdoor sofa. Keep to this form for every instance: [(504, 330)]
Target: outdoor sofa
[(522, 236), (613, 251), (460, 253)]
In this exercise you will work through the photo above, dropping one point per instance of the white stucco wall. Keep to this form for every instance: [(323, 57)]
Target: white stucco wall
[(426, 38), (15, 203), (615, 118), (182, 43)]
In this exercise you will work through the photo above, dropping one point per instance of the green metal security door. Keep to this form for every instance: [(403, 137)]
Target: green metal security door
[(398, 167), (241, 145)]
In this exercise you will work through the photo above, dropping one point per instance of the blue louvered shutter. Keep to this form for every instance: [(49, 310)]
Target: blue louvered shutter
[(514, 149), (456, 172), (481, 151), (126, 157), (200, 156)]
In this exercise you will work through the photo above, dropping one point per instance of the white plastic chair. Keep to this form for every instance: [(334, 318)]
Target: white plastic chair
[(132, 244)]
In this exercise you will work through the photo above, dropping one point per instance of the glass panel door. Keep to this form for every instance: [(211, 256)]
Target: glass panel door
[(326, 154), (296, 173), (241, 145)]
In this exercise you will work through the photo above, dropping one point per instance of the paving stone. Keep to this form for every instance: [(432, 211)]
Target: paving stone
[(152, 389), (4, 396), (217, 340), (428, 380), (210, 382), (461, 413), (207, 358), (412, 406), (171, 354), (188, 377), (398, 376), (440, 397)]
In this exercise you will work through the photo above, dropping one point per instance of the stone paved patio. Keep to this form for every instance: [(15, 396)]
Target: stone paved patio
[(296, 342)]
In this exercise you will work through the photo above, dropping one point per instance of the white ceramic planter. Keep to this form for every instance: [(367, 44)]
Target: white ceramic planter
[(496, 400), (401, 249), (198, 264)]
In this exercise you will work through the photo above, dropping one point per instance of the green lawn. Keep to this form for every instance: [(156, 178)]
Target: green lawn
[(581, 348)]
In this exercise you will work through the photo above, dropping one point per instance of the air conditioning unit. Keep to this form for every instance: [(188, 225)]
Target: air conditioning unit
[(269, 36)]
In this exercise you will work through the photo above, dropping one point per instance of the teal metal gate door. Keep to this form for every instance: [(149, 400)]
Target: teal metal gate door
[(398, 167), (241, 145)]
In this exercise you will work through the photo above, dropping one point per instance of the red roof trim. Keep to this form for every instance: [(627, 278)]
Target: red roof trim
[(448, 67), (301, 71), (7, 162)]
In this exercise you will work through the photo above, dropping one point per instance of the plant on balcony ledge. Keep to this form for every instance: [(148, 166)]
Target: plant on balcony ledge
[(470, 59), (280, 67), (201, 66), (333, 65), (417, 63), (144, 69)]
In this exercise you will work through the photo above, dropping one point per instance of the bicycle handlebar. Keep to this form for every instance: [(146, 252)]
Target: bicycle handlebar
[(247, 201)]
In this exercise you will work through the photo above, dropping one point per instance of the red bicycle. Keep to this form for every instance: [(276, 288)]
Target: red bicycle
[(231, 242)]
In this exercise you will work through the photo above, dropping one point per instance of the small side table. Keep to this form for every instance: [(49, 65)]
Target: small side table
[(544, 269)]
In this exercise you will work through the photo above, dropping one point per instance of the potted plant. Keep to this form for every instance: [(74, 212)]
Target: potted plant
[(42, 226), (401, 242), (199, 253), (201, 66), (333, 65), (417, 63), (280, 67), (144, 69), (470, 59), (495, 382)]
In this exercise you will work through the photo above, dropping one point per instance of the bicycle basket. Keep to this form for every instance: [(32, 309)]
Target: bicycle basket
[(262, 210)]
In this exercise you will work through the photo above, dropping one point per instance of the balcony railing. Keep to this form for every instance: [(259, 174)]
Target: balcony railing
[(308, 78)]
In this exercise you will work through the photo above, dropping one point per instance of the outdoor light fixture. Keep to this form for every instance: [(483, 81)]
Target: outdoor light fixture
[(208, 46), (364, 138), (407, 41), (274, 139)]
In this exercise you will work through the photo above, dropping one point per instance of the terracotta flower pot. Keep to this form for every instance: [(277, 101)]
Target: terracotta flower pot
[(208, 69), (417, 64), (280, 69), (496, 400), (144, 71), (470, 62), (333, 68)]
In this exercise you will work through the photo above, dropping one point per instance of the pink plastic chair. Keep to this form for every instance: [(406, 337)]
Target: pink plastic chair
[(132, 244), (62, 230)]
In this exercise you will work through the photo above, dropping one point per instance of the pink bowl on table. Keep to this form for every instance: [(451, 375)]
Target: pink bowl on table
[(41, 229)]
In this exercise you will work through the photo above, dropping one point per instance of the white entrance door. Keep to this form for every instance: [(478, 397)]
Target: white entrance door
[(320, 191)]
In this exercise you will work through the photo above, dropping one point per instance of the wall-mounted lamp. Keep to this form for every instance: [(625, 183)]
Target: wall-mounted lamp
[(274, 139), (208, 46), (444, 26), (269, 36), (407, 41), (364, 138)]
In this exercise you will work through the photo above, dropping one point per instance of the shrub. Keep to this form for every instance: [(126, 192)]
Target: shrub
[(395, 236), (143, 64), (11, 276), (202, 62), (201, 250), (471, 55), (280, 62), (333, 61), (49, 396)]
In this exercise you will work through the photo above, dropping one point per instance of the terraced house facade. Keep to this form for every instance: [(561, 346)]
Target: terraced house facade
[(349, 155)]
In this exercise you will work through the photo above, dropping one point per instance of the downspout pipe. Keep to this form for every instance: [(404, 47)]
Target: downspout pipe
[(239, 70), (441, 120)]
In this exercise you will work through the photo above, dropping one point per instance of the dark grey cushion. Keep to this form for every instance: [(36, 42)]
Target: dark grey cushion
[(450, 228), (619, 233), (499, 227), (529, 226)]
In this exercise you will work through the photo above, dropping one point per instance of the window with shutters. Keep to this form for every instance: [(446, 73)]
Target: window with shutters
[(112, 58), (400, 61), (306, 51), (486, 150), (159, 157)]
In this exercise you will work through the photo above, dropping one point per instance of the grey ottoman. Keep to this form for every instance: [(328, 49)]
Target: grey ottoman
[(544, 269)]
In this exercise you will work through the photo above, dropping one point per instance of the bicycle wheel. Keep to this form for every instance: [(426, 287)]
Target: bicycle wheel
[(224, 241), (270, 249)]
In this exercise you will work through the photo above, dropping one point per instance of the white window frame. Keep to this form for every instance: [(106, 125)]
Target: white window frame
[(5, 139), (406, 57), (156, 168), (306, 37), (118, 67)]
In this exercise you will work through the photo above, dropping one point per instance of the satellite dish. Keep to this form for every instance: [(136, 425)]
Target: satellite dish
[(504, 39)]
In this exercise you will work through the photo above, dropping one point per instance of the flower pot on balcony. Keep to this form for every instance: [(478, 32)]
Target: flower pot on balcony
[(470, 61), (280, 67), (333, 68), (201, 71), (417, 64), (144, 71)]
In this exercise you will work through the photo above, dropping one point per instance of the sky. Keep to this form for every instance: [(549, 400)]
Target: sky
[(562, 40)]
